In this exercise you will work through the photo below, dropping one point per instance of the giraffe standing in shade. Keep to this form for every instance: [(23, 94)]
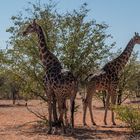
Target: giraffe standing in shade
[(58, 82), (107, 79)]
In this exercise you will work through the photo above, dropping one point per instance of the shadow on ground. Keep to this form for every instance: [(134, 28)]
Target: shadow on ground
[(80, 133), (11, 105)]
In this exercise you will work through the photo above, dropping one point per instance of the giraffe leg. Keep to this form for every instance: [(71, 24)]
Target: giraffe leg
[(62, 122), (88, 103), (66, 117), (55, 117), (61, 107), (91, 114), (65, 113), (113, 101), (72, 106), (106, 107), (50, 116), (84, 112)]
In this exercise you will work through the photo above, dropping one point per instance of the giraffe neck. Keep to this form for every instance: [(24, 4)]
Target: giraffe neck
[(48, 59), (118, 64), (125, 55)]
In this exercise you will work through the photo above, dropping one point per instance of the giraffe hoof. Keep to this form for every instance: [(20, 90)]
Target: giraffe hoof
[(55, 132), (53, 124), (114, 123), (93, 123), (105, 123), (56, 124), (49, 132), (71, 132), (84, 124), (64, 131)]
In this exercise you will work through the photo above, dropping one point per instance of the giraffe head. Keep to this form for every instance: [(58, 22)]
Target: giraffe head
[(136, 38), (33, 27)]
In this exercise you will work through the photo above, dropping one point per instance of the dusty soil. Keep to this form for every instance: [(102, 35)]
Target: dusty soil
[(17, 123)]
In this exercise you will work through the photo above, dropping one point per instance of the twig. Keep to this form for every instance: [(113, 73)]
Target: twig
[(37, 114)]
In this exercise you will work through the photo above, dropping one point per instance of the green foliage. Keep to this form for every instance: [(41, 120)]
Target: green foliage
[(82, 44), (77, 42), (130, 115)]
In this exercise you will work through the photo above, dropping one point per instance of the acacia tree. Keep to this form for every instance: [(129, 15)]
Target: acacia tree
[(78, 43)]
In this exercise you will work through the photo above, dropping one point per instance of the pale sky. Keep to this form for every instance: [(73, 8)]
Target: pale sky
[(122, 16)]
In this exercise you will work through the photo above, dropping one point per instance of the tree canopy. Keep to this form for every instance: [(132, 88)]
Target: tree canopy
[(80, 44)]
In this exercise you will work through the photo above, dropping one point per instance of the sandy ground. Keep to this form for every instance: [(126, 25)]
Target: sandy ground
[(17, 123)]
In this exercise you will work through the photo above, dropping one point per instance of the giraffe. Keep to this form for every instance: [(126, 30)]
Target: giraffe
[(107, 79), (59, 82)]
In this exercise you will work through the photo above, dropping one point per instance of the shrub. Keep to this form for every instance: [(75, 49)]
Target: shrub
[(129, 115)]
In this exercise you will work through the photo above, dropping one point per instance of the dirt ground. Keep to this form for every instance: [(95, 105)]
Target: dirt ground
[(17, 123)]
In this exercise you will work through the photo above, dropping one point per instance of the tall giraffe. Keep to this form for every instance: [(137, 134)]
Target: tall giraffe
[(107, 79), (58, 82)]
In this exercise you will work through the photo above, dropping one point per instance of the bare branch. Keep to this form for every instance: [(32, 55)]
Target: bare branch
[(37, 114)]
